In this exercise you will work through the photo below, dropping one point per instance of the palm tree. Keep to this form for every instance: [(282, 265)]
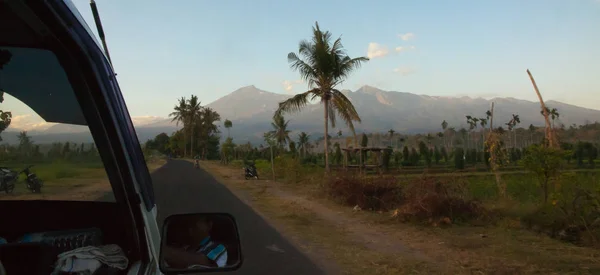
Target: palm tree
[(207, 127), (553, 114), (444, 126), (323, 66), (391, 131), (483, 122), (303, 142), (511, 125), (180, 114), (193, 110), (531, 132), (228, 124), (516, 120), (280, 132)]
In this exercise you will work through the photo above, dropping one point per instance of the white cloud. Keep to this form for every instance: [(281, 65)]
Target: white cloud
[(407, 36), (288, 85), (404, 71), (29, 122), (402, 49), (376, 50), (144, 120)]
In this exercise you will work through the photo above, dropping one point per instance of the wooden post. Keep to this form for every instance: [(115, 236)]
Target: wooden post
[(379, 161), (346, 160), (360, 162)]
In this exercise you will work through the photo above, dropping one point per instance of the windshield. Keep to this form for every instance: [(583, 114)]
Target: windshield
[(46, 150)]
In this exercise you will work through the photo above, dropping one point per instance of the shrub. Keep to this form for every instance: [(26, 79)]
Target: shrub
[(430, 199), (459, 161), (573, 213), (373, 193)]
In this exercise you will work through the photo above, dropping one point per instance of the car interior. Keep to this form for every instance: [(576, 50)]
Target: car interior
[(36, 231)]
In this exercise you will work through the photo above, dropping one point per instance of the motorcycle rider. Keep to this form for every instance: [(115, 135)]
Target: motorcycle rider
[(197, 161)]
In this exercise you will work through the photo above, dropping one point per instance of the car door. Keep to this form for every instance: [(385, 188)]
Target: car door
[(104, 109)]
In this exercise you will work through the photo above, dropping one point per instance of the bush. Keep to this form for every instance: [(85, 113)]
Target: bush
[(459, 161), (573, 213), (373, 193), (430, 200)]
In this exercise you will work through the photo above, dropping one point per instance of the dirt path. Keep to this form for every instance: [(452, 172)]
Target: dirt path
[(362, 241)]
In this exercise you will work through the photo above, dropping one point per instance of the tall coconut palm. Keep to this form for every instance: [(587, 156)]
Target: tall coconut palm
[(483, 122), (391, 132), (228, 124), (444, 126), (181, 115), (207, 127), (280, 132), (303, 143), (194, 115), (323, 66), (531, 132)]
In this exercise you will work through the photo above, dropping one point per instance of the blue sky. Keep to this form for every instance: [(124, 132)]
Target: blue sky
[(165, 50)]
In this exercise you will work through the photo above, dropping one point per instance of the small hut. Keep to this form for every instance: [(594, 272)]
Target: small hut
[(361, 163)]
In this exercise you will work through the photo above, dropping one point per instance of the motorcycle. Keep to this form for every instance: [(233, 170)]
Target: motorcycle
[(250, 171), (8, 178), (33, 183)]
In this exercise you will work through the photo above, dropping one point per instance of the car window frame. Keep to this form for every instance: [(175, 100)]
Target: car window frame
[(101, 104)]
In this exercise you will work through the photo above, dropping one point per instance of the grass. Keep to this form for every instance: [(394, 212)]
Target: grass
[(67, 180)]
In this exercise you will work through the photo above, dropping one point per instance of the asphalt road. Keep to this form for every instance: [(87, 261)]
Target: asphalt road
[(181, 188)]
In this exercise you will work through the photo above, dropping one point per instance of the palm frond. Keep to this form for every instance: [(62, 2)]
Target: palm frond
[(293, 104), (345, 109)]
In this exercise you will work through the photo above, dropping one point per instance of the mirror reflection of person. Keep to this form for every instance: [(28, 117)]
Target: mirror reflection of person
[(201, 251)]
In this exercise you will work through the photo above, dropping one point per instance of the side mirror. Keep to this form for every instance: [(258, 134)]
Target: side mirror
[(206, 242)]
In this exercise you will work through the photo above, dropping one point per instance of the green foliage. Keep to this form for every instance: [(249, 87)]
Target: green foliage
[(459, 161), (545, 163), (337, 156), (159, 143), (437, 155), (405, 154), (292, 147), (444, 154), (414, 157), (227, 149), (386, 156), (364, 141)]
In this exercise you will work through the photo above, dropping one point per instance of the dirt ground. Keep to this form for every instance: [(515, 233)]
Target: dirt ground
[(70, 189), (345, 241)]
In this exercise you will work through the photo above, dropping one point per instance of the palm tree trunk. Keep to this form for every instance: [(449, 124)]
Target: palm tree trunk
[(483, 139), (326, 133), (184, 143), (272, 165), (192, 142)]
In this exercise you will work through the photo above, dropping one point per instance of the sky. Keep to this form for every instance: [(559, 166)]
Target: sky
[(476, 48)]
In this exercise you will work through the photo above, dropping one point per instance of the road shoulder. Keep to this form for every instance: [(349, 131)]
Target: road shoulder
[(336, 241)]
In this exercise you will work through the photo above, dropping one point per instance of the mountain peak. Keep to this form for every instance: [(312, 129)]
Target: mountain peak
[(369, 90)]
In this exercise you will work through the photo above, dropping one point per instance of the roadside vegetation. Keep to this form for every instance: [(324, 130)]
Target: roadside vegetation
[(63, 168), (526, 185)]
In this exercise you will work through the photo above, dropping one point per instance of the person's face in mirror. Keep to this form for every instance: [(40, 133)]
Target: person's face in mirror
[(200, 229)]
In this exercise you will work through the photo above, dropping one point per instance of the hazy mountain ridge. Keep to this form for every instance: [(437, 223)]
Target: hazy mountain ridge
[(251, 109)]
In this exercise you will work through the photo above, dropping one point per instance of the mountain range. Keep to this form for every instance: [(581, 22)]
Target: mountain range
[(251, 109)]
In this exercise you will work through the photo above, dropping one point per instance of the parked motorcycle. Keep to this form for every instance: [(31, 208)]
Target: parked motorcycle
[(250, 171), (33, 183), (8, 178)]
